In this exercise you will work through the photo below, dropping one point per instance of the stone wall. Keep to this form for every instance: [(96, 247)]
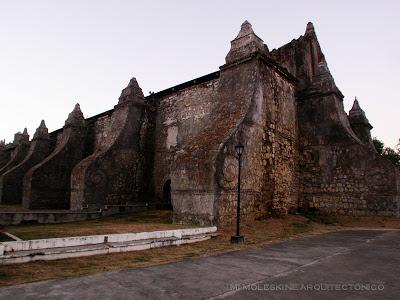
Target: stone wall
[(96, 130), (181, 115), (100, 130), (341, 174), (280, 147)]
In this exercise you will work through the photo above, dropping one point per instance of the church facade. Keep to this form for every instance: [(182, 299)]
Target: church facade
[(175, 148)]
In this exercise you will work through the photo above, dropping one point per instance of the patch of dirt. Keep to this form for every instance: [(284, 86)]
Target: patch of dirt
[(369, 222)]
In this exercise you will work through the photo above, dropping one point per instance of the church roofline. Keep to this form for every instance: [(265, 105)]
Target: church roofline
[(184, 85), (157, 95)]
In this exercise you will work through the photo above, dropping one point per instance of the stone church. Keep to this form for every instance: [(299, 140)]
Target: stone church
[(175, 148)]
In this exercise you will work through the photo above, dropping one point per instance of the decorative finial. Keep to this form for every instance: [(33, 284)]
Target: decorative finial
[(245, 44), (356, 106), (75, 118), (356, 113), (245, 29), (359, 122), (310, 28), (41, 131), (132, 92), (21, 138)]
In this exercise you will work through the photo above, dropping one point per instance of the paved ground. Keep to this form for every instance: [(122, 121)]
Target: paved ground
[(353, 264)]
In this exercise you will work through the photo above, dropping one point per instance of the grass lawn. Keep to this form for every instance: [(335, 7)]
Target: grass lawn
[(11, 207), (5, 238), (257, 233), (145, 221)]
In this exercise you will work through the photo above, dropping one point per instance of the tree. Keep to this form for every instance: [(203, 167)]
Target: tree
[(378, 145), (387, 152), (392, 155)]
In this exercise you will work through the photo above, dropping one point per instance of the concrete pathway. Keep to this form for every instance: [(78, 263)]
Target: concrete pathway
[(351, 264)]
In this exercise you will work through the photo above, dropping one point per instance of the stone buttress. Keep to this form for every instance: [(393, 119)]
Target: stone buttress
[(340, 169), (11, 181), (20, 149), (116, 174), (47, 184), (5, 153), (204, 169)]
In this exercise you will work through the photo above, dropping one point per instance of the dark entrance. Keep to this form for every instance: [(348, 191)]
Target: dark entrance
[(167, 204)]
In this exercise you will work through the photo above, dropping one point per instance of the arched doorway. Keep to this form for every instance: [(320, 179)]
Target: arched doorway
[(167, 204)]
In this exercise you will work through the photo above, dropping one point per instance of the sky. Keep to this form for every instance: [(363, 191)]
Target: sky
[(54, 54)]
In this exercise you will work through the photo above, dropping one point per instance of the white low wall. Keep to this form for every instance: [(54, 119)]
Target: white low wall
[(61, 253), (98, 239)]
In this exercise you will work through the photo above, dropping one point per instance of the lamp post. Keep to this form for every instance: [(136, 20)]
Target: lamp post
[(238, 238)]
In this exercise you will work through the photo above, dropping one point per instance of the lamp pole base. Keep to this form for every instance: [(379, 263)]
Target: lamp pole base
[(237, 239)]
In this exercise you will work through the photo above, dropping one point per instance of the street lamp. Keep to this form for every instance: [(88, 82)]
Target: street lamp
[(238, 238)]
